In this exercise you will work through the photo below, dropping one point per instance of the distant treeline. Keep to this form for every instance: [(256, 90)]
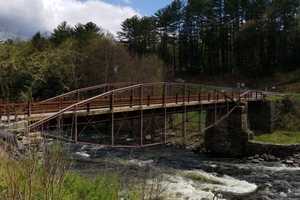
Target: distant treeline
[(249, 37), (71, 57), (208, 37)]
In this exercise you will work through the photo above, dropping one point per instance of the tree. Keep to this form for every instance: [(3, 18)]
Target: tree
[(84, 32), (39, 42), (139, 34), (61, 33)]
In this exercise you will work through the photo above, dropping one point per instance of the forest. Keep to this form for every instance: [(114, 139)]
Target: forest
[(71, 58), (254, 38)]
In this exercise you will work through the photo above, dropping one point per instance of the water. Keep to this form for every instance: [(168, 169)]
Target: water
[(240, 179)]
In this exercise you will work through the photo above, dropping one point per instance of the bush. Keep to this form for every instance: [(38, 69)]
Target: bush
[(49, 177)]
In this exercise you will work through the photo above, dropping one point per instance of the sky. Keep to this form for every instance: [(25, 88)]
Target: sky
[(145, 7), (23, 18)]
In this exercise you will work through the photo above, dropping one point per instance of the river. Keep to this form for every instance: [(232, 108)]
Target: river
[(178, 169)]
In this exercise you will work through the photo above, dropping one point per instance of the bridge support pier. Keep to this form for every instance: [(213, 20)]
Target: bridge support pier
[(229, 137)]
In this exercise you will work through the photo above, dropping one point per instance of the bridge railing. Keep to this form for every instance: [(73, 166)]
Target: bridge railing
[(141, 96), (57, 103), (87, 92)]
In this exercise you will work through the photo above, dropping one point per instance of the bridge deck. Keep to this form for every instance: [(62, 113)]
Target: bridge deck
[(118, 109)]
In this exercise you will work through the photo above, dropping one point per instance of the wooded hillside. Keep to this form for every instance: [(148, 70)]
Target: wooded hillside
[(251, 37)]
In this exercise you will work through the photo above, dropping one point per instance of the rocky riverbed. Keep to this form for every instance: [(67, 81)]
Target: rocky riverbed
[(183, 174)]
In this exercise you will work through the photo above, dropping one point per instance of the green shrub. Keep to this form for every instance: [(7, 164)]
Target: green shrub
[(49, 178)]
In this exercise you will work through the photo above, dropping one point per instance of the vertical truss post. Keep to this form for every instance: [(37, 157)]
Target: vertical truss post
[(200, 111), (112, 119), (189, 95), (184, 93), (15, 114), (141, 116), (165, 113), (76, 119), (184, 117), (215, 112), (8, 114), (59, 124), (200, 119), (227, 104), (200, 96), (75, 125), (215, 105)]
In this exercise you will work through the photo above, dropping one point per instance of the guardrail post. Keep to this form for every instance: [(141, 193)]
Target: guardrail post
[(78, 97), (88, 107), (1, 111), (60, 103), (141, 95), (131, 98), (189, 94), (164, 95), (111, 101), (200, 95), (15, 112), (29, 107), (148, 101), (184, 93)]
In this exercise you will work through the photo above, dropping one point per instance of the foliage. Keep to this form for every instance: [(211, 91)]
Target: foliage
[(46, 177), (280, 137), (254, 38), (70, 58)]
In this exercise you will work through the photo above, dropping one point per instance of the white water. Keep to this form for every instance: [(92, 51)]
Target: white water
[(182, 187)]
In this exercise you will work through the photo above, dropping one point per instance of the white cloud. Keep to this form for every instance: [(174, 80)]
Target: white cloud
[(26, 17)]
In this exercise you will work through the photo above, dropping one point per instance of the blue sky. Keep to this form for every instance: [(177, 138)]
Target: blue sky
[(145, 7)]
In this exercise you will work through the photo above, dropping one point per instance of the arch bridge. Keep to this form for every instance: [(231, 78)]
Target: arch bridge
[(130, 115)]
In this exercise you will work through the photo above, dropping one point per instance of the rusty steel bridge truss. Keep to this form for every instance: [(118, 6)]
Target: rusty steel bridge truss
[(129, 115)]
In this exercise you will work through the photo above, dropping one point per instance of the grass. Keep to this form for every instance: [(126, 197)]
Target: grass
[(292, 96), (48, 177), (192, 120), (280, 137)]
